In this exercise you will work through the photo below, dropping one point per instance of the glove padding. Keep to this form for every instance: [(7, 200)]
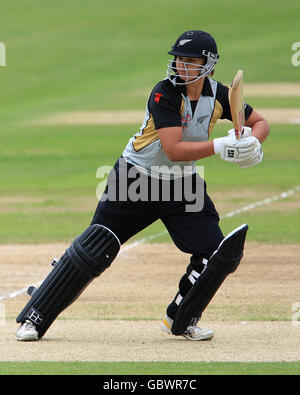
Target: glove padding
[(245, 152), (256, 158)]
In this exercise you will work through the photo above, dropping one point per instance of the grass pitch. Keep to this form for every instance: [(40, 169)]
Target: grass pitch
[(48, 182), (149, 368)]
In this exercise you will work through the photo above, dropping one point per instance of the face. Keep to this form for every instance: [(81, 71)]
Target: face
[(188, 68)]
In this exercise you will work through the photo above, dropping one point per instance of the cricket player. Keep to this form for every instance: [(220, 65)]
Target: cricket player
[(155, 178)]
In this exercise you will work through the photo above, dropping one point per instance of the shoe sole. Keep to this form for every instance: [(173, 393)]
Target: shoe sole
[(205, 337), (27, 338), (201, 338)]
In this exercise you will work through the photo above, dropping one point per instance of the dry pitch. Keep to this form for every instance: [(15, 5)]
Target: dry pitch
[(117, 318), (274, 115)]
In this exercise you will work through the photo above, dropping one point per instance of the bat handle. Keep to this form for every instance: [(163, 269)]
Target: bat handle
[(238, 134)]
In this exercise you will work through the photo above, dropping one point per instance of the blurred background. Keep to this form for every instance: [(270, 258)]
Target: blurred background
[(102, 55)]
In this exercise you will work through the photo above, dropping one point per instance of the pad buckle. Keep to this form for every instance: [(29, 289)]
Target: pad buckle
[(54, 262), (34, 316)]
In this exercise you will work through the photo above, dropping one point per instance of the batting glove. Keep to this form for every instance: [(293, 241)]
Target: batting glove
[(256, 158), (257, 154), (237, 151)]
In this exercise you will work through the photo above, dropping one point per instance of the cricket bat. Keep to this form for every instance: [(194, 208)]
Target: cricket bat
[(236, 100)]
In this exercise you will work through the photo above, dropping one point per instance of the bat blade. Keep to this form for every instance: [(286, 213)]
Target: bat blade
[(236, 100)]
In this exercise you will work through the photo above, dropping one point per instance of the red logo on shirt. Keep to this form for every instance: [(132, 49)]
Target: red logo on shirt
[(157, 97)]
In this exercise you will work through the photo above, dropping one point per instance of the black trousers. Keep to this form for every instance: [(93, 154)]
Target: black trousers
[(193, 232)]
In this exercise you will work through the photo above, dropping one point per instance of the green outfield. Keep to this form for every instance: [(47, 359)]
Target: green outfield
[(64, 55), (54, 182), (106, 55), (149, 368)]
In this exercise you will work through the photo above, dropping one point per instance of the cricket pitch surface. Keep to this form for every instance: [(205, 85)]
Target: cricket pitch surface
[(118, 317)]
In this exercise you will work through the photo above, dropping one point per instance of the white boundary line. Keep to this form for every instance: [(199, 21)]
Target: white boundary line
[(249, 207), (12, 295), (272, 199)]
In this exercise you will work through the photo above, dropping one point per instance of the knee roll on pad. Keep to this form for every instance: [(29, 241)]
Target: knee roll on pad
[(223, 261), (89, 255), (94, 250)]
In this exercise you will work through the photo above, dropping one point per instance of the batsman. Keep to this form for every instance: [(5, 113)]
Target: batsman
[(180, 115)]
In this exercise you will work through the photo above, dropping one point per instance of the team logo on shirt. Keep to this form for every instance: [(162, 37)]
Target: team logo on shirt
[(157, 97), (202, 118), (188, 117)]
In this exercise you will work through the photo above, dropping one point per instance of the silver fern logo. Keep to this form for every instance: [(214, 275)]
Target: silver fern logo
[(182, 42), (202, 119)]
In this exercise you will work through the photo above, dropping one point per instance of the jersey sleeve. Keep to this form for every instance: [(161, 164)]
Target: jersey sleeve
[(223, 99), (164, 105)]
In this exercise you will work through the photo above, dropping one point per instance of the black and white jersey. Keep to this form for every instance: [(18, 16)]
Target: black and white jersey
[(168, 105)]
